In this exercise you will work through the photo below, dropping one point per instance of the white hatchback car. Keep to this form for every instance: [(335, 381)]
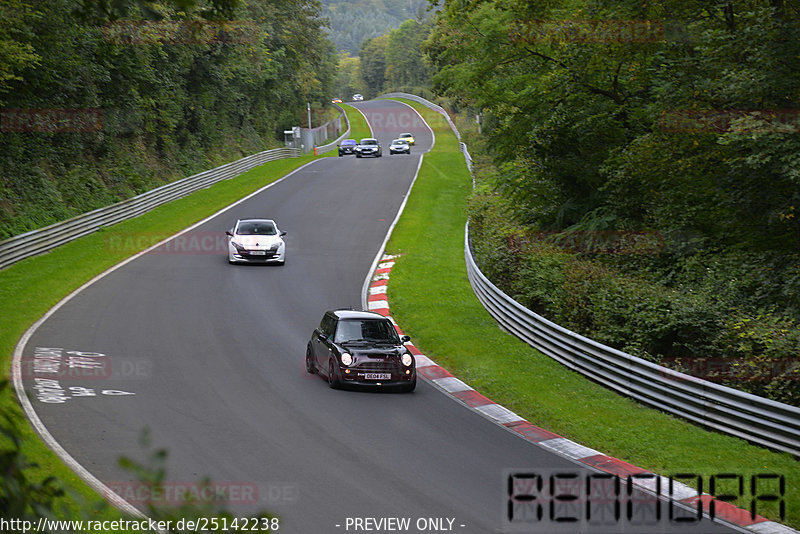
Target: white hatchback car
[(256, 241), (399, 146)]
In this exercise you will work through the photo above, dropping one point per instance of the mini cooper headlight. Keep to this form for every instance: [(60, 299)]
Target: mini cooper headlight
[(347, 359), (407, 359)]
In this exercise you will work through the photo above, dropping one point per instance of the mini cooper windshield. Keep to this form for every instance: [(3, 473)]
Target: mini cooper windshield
[(366, 331)]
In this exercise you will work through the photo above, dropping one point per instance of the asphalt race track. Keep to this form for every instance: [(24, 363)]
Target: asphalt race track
[(210, 358)]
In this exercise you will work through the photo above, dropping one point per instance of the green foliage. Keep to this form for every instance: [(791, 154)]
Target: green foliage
[(169, 108), (404, 62), (20, 497), (348, 77), (575, 121), (395, 61), (686, 131), (680, 326), (372, 56), (353, 22), (16, 53), (116, 9)]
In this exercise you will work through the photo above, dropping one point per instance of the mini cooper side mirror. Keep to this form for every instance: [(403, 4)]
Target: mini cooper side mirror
[(283, 234), (229, 233), (405, 339)]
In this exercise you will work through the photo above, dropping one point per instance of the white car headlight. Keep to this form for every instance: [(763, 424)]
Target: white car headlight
[(347, 359), (407, 359)]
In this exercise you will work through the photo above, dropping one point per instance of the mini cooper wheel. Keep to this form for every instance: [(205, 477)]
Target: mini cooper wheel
[(408, 388), (333, 382), (310, 367)]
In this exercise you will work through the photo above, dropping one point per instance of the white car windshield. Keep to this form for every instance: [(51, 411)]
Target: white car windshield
[(256, 228)]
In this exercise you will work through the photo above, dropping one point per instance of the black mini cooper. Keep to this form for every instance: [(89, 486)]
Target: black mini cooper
[(360, 348)]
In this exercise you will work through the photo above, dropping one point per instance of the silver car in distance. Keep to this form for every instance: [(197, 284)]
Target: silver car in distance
[(399, 146), (256, 241)]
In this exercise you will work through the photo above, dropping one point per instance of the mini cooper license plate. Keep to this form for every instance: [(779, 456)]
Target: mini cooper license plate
[(258, 252), (378, 376)]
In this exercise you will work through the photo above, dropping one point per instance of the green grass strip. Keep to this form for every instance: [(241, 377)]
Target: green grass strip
[(31, 287), (433, 301), (358, 127)]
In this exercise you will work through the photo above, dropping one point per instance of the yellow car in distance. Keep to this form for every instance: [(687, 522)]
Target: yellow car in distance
[(406, 137)]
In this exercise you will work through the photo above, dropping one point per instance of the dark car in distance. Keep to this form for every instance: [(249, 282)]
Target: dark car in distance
[(360, 348), (348, 146)]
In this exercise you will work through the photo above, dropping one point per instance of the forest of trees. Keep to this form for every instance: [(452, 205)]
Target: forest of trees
[(394, 61), (675, 121), (354, 21), (168, 88)]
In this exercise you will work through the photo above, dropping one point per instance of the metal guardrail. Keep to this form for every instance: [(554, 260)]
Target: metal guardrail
[(467, 159), (38, 241), (756, 419), (313, 137), (330, 146)]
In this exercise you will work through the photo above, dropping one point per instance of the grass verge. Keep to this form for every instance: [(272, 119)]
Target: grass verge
[(433, 301), (31, 287)]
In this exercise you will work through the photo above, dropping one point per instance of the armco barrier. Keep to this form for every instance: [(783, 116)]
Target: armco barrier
[(314, 136), (330, 146), (38, 241), (728, 410), (756, 419)]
